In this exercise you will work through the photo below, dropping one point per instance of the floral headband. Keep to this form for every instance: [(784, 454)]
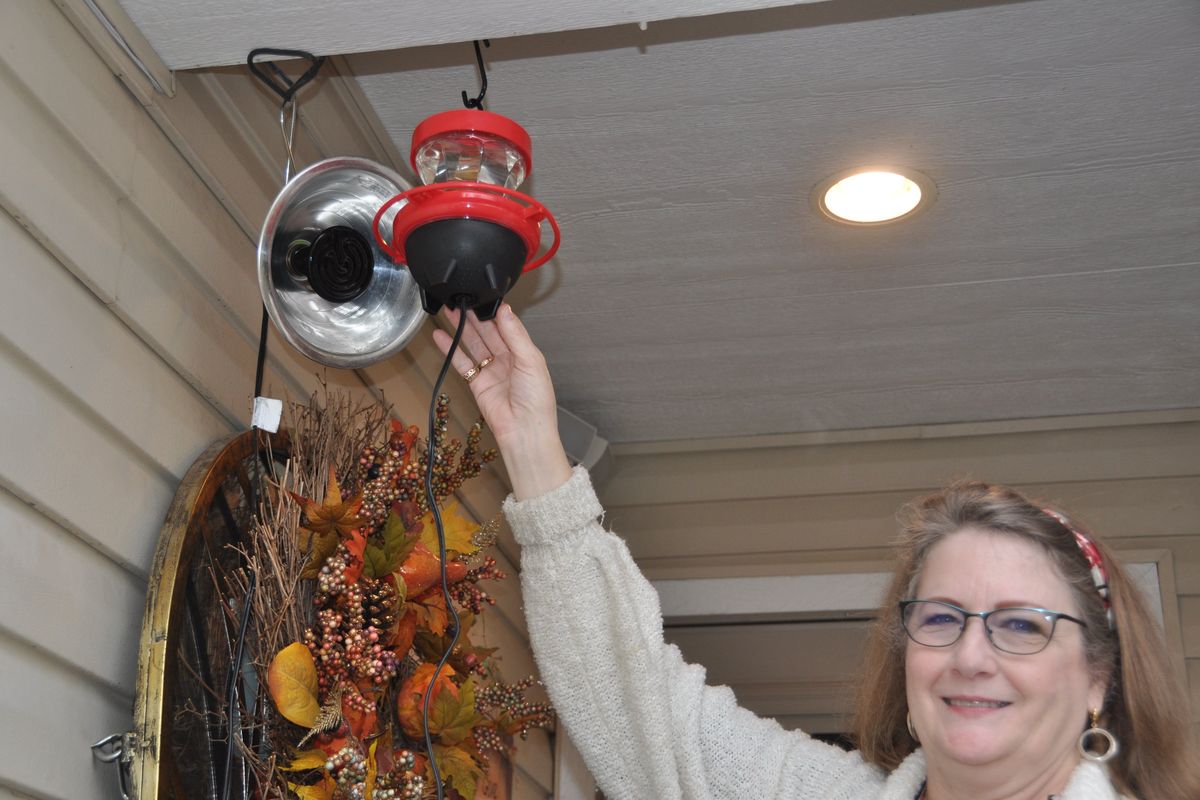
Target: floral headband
[(1092, 554)]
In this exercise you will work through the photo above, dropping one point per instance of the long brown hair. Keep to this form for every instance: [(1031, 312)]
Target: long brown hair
[(1145, 708)]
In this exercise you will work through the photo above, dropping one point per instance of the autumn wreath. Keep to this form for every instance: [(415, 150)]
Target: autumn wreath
[(351, 620)]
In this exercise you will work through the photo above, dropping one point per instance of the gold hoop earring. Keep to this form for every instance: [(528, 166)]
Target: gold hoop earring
[(912, 731), (1086, 740)]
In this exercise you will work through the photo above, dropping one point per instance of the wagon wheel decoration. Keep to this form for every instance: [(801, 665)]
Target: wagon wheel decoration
[(190, 628)]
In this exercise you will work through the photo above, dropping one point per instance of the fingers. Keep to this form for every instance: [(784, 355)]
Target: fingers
[(504, 336), (515, 337), (462, 361), (489, 336)]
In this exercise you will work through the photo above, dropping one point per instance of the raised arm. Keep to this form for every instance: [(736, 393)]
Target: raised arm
[(516, 397), (644, 720)]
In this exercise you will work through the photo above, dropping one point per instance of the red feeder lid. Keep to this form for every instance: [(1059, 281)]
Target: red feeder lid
[(473, 120)]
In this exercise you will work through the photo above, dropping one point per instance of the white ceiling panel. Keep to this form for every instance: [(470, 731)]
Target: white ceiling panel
[(188, 34)]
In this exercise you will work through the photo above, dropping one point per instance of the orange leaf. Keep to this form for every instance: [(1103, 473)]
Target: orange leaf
[(420, 570), (333, 514), (410, 699), (406, 630), (408, 514), (292, 682), (331, 743), (361, 722), (356, 544), (385, 759), (431, 611)]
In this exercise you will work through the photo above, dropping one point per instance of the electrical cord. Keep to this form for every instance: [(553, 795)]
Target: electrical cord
[(441, 534)]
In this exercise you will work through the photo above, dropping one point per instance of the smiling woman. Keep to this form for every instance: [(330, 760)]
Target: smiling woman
[(1007, 716), (1004, 705), (1022, 666)]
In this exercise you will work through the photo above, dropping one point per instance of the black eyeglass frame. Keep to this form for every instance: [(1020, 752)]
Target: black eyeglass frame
[(1053, 616)]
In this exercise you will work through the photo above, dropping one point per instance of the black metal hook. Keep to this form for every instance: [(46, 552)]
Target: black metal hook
[(280, 83), (477, 102)]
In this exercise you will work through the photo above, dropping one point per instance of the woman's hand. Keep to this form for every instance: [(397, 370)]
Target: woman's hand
[(516, 397)]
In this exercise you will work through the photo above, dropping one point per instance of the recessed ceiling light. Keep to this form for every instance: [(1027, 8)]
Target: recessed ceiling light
[(874, 195)]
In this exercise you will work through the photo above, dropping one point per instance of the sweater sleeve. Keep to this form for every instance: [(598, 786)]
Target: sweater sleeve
[(643, 719)]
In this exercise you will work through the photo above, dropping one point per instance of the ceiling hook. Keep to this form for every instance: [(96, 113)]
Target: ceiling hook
[(279, 83), (477, 102)]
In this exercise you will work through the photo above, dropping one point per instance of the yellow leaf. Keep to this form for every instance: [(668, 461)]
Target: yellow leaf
[(372, 771), (292, 681), (306, 759), (319, 791), (459, 532)]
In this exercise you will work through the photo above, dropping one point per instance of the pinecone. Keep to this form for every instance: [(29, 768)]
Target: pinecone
[(379, 603)]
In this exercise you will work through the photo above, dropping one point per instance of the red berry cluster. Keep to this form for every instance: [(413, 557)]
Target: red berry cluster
[(487, 741), (381, 471), (346, 648), (450, 467), (353, 698), (369, 660), (448, 474), (396, 473), (515, 713), (401, 783), (326, 649), (467, 592), (348, 767), (332, 578)]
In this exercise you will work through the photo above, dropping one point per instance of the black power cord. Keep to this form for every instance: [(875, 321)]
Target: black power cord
[(441, 534)]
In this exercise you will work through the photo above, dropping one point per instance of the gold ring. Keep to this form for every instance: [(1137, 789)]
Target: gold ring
[(474, 371)]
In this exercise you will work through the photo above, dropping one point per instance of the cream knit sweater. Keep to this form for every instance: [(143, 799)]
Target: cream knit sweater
[(646, 723)]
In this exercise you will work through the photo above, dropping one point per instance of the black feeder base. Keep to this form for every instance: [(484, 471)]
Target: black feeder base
[(465, 261)]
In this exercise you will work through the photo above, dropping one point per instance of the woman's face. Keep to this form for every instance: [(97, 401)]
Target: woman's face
[(972, 704)]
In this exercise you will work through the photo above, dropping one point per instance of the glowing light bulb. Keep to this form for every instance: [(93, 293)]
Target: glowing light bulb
[(874, 196)]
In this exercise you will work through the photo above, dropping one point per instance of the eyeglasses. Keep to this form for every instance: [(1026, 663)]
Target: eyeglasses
[(1022, 631)]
